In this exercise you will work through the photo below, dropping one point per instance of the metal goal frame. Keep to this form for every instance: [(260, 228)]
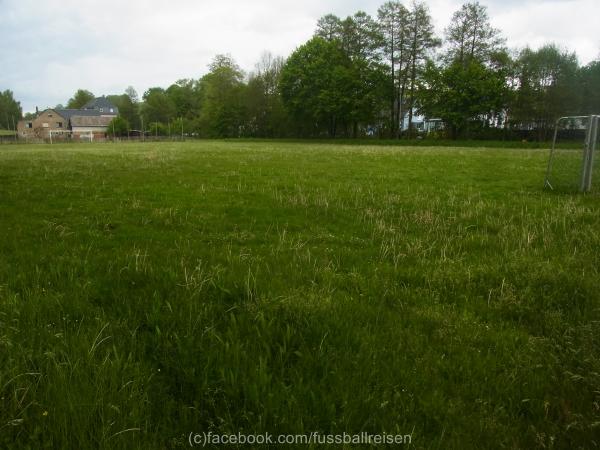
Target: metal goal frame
[(589, 149)]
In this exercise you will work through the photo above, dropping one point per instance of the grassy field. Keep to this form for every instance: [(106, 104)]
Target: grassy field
[(150, 291)]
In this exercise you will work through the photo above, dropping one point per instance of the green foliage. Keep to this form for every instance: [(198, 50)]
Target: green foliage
[(119, 127), (185, 96), (421, 41), (265, 113), (132, 94), (460, 94), (10, 111), (157, 129), (127, 109), (548, 88), (183, 126), (79, 99), (589, 83), (470, 36), (393, 20), (291, 288), (221, 93), (158, 106), (317, 86), (362, 77), (360, 37)]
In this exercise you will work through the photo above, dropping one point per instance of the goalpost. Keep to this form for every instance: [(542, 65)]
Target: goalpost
[(83, 136), (570, 169), (59, 133)]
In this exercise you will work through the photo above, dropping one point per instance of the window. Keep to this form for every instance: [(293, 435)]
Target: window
[(101, 109), (112, 110), (29, 125), (50, 115), (58, 124), (45, 125)]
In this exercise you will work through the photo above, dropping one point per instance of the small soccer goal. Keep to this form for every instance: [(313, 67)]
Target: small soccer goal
[(573, 169), (59, 135)]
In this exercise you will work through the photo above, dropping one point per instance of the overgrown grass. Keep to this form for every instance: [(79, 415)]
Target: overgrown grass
[(147, 291), (433, 142)]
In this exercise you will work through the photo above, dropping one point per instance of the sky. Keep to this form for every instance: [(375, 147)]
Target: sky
[(50, 49)]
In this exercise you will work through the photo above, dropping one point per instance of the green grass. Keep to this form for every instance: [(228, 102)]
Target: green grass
[(431, 142), (147, 291), (6, 132)]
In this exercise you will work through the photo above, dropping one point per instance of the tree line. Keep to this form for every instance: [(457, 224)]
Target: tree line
[(372, 76)]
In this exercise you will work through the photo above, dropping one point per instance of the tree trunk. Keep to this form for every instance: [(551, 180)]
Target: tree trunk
[(393, 99), (412, 96)]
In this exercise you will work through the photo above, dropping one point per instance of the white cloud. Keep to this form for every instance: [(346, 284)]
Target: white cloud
[(49, 52)]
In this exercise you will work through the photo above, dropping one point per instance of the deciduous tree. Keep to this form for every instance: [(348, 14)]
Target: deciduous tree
[(460, 94), (393, 20), (471, 36), (10, 110), (316, 86), (157, 107), (118, 127), (266, 116), (547, 87), (421, 40), (221, 90), (79, 99)]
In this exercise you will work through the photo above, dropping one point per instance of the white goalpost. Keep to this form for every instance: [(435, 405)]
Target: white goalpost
[(82, 136), (573, 169), (59, 133)]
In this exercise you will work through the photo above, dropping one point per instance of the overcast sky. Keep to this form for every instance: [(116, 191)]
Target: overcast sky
[(49, 49)]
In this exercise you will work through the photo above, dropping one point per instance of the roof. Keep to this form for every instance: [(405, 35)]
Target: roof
[(100, 103), (57, 111), (68, 113), (90, 121)]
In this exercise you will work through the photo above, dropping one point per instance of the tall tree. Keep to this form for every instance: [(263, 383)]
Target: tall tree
[(221, 91), (132, 94), (79, 99), (361, 41), (127, 109), (185, 96), (329, 27), (547, 87), (130, 108), (316, 86), (421, 40), (119, 126), (266, 116), (471, 36), (10, 110), (393, 20), (589, 79), (157, 107), (360, 37), (460, 94)]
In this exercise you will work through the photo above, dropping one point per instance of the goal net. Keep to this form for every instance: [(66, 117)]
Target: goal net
[(59, 135), (574, 169)]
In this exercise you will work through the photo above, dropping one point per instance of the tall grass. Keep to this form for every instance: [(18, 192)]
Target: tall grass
[(147, 291)]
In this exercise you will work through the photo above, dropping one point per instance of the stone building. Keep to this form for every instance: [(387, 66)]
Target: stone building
[(87, 123)]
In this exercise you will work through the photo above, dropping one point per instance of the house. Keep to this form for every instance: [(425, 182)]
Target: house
[(423, 124), (101, 105), (87, 123)]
